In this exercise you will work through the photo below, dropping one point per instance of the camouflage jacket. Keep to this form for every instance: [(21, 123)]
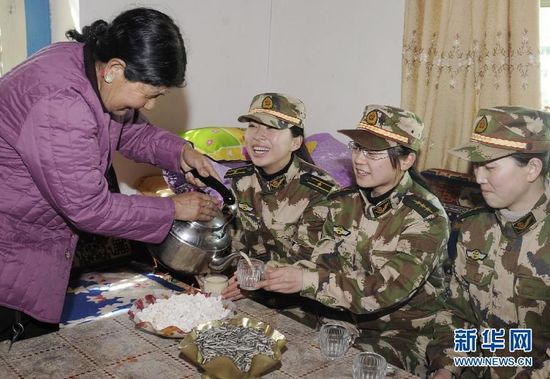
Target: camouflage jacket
[(501, 280), (382, 259), (280, 219)]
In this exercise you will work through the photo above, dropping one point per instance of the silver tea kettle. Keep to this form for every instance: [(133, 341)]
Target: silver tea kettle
[(196, 247)]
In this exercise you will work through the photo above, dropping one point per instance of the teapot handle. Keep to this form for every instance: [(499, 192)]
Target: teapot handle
[(213, 183)]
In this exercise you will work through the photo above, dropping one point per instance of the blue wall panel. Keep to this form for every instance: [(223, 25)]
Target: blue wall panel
[(37, 15)]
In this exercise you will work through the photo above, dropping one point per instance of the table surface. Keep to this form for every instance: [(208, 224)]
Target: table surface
[(114, 348)]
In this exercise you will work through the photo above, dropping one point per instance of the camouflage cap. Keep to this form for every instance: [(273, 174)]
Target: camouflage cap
[(384, 126), (504, 130), (276, 110)]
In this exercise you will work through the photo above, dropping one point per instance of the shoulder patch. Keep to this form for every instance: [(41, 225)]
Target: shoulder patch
[(422, 206), (318, 184), (343, 192), (237, 172), (473, 212)]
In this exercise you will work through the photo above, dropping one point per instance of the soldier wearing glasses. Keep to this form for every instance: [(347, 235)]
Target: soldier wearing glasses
[(383, 243)]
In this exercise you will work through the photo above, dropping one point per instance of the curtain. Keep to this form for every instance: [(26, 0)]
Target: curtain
[(462, 55)]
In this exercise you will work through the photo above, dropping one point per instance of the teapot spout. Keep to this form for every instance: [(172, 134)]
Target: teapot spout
[(218, 264)]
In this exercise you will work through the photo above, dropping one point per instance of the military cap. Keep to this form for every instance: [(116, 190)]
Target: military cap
[(276, 110), (384, 126), (504, 130)]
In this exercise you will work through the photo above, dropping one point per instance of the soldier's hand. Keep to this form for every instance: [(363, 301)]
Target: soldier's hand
[(232, 291), (194, 206), (283, 279)]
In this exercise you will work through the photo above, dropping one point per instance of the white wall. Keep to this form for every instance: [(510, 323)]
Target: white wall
[(335, 55), (64, 15), (13, 41)]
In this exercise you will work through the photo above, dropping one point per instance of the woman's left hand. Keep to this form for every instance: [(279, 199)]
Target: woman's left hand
[(191, 158), (283, 279)]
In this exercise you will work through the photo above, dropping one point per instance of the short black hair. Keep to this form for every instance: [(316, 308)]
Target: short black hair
[(522, 159), (396, 152), (302, 152), (148, 41)]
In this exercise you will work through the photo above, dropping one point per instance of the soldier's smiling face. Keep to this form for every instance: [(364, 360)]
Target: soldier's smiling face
[(270, 148), (506, 184), (374, 171)]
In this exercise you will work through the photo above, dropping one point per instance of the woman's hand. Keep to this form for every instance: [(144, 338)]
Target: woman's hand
[(232, 291), (286, 279), (194, 206), (191, 158)]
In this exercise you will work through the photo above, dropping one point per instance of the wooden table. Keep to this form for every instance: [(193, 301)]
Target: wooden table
[(113, 348)]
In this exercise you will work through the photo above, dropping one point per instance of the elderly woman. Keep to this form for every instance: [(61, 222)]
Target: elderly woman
[(382, 246), (499, 305), (63, 113)]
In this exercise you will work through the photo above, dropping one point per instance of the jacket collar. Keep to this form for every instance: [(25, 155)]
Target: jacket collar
[(519, 227), (278, 182), (392, 202)]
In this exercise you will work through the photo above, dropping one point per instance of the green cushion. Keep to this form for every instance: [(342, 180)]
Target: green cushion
[(220, 143)]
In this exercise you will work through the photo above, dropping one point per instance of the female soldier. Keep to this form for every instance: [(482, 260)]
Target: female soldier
[(501, 282), (62, 114), (382, 245), (281, 195)]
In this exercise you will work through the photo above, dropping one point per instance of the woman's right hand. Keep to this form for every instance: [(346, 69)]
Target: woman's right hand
[(194, 206)]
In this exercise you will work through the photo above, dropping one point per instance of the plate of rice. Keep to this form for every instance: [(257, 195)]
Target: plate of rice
[(174, 315)]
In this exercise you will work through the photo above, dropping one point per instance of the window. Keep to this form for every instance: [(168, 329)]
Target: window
[(544, 22)]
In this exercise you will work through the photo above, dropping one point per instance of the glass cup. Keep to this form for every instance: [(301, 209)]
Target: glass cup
[(214, 284), (368, 365), (334, 340), (247, 275)]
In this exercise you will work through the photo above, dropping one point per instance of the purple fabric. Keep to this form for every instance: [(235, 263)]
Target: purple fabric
[(334, 157), (55, 148)]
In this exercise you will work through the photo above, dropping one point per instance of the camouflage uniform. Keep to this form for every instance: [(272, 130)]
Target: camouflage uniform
[(501, 275), (382, 261), (279, 219)]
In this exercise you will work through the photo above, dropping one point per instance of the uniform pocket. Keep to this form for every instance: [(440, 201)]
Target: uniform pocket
[(477, 273)]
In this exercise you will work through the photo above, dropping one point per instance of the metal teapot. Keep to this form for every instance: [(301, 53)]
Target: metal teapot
[(195, 247)]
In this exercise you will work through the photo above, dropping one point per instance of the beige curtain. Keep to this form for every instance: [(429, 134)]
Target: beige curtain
[(462, 55)]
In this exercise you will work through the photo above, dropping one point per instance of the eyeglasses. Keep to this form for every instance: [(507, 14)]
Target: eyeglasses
[(373, 155)]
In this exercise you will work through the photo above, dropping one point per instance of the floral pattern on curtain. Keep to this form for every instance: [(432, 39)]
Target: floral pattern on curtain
[(459, 56)]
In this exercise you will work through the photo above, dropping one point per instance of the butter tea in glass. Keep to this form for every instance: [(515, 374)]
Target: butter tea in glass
[(249, 274), (214, 284)]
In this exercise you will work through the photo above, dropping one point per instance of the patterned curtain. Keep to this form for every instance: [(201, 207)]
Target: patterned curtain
[(459, 56)]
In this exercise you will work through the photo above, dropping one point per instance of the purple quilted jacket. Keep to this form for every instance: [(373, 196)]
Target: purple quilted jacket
[(56, 143)]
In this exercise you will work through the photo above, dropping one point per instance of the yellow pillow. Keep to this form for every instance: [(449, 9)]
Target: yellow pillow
[(221, 143), (224, 143)]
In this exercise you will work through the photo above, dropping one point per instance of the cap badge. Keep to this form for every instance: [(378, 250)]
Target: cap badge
[(475, 254), (372, 118), (481, 125), (267, 103), (341, 231)]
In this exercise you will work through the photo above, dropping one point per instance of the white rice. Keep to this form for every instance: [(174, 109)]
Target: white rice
[(184, 311)]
